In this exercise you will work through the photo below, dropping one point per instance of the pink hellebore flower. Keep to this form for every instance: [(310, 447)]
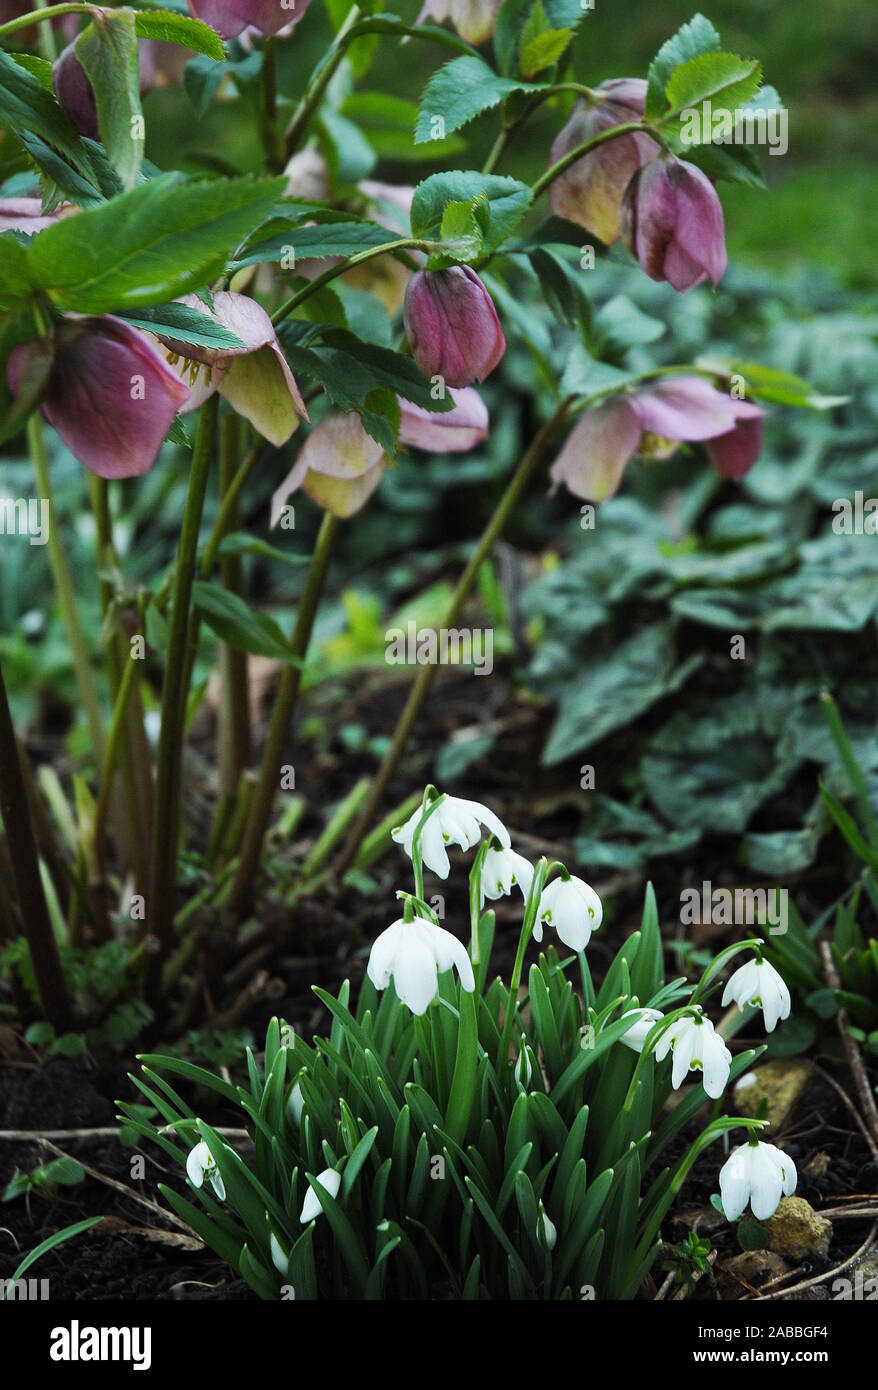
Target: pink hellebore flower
[(452, 325), (26, 215), (590, 191), (652, 421), (339, 467), (108, 392), (231, 17), (672, 221), (474, 20), (255, 379), (451, 432)]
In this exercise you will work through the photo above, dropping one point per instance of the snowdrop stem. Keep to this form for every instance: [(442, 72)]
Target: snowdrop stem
[(541, 874), (430, 803), (717, 964), (475, 901)]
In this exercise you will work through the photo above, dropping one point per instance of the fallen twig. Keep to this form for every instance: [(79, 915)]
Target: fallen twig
[(854, 1056)]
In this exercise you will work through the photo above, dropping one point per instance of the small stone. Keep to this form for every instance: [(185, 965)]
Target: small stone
[(797, 1230), (773, 1090), (749, 1270)]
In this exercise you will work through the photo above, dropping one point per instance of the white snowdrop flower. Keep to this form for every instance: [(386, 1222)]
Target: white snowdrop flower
[(547, 1235), (758, 984), (502, 870), (330, 1181), (697, 1047), (296, 1104), (637, 1034), (412, 954), (201, 1164), (757, 1173), (573, 908), (456, 821)]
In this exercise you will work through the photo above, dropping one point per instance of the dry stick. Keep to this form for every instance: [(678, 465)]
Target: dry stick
[(854, 1056), (38, 1136), (51, 985), (281, 715), (819, 1278), (850, 1105), (425, 675)]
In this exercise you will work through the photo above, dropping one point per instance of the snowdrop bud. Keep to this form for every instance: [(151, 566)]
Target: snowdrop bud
[(672, 221), (546, 1233), (502, 870), (296, 1104), (757, 1173), (330, 1181), (278, 1258), (523, 1068), (452, 325), (758, 985)]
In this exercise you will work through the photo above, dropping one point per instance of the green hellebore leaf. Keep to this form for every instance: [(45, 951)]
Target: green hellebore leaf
[(107, 51), (168, 26)]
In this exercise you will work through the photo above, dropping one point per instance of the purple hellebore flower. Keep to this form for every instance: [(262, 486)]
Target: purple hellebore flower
[(452, 432), (108, 392), (672, 221), (231, 17), (589, 193), (255, 379), (452, 325), (652, 420), (339, 467)]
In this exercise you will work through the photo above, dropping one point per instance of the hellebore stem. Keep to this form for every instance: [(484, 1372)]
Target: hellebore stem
[(25, 21), (424, 678), (320, 81), (43, 947), (234, 711), (163, 876), (281, 715), (111, 753), (558, 168), (85, 680), (401, 244)]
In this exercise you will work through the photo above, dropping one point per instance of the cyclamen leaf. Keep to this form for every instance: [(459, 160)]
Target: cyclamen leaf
[(459, 92), (152, 244), (107, 50)]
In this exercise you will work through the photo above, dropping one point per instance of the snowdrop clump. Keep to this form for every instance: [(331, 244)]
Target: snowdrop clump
[(502, 1133)]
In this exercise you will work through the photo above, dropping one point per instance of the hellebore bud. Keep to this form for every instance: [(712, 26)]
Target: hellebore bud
[(75, 93), (589, 193), (672, 221), (452, 325)]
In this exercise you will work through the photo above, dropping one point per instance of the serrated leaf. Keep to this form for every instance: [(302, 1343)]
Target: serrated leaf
[(543, 51), (460, 91), (26, 105), (712, 76), (690, 41), (107, 51), (167, 26), (508, 200)]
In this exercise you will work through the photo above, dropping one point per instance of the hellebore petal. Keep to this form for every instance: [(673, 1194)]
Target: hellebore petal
[(734, 453), (255, 379), (451, 432), (474, 20), (589, 193), (307, 176), (672, 221), (339, 467), (602, 441), (684, 407), (110, 395), (231, 17), (452, 325), (330, 1181), (26, 215)]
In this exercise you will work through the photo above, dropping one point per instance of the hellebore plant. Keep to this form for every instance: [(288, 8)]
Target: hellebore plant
[(455, 1131)]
